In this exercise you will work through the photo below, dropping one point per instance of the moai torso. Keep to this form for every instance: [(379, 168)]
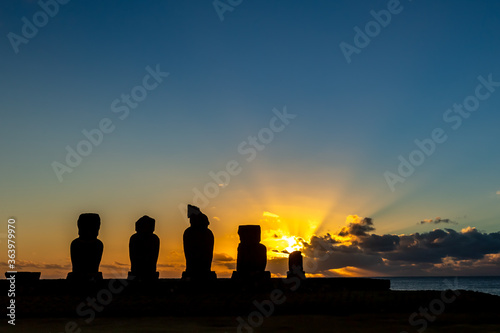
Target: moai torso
[(295, 261), (295, 265), (86, 250), (252, 256), (198, 244), (144, 248)]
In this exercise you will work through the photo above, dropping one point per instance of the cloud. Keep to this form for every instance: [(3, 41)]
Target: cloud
[(277, 265), (24, 264), (435, 245), (269, 214), (224, 260), (439, 251), (168, 265), (376, 243), (120, 264), (437, 220), (358, 226), (114, 266), (222, 257)]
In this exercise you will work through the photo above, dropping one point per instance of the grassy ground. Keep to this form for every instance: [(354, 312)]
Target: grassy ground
[(445, 323)]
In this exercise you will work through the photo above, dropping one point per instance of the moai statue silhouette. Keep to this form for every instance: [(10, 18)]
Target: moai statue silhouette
[(252, 256), (198, 243), (295, 265), (86, 250), (144, 248)]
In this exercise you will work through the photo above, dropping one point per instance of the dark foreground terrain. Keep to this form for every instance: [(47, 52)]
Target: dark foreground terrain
[(354, 323), (314, 305)]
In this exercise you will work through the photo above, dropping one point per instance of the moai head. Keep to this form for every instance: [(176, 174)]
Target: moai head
[(145, 225), (295, 261), (249, 233), (197, 218), (88, 225)]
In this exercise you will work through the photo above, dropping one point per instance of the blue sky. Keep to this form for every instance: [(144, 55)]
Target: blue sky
[(352, 121)]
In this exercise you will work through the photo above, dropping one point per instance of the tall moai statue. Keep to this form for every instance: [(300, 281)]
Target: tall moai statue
[(144, 248), (295, 265), (86, 250), (198, 243), (252, 255)]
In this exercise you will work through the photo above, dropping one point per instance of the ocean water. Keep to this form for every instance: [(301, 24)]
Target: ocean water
[(485, 284)]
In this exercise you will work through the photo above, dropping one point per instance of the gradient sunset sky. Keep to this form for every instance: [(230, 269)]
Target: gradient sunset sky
[(311, 135)]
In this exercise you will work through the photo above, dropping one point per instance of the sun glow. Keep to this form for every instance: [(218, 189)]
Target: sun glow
[(280, 245), (294, 243), (278, 237), (350, 271)]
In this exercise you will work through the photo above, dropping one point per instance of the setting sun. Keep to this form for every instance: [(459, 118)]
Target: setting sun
[(279, 239)]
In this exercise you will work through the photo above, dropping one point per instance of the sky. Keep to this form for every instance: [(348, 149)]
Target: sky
[(363, 133)]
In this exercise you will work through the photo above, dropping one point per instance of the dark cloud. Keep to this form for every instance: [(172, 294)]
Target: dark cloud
[(435, 245), (114, 267), (277, 265), (376, 243), (358, 228), (120, 264), (436, 251), (437, 220), (227, 265), (222, 257), (345, 259), (168, 265), (224, 260), (319, 244)]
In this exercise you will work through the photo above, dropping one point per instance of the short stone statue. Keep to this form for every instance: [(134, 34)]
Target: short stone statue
[(252, 255), (86, 250), (198, 243), (295, 265), (144, 248)]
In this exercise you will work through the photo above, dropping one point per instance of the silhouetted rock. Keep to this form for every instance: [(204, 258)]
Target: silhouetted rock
[(86, 250), (295, 265), (198, 247), (144, 248), (252, 256)]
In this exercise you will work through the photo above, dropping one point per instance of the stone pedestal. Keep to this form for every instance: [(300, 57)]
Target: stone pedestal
[(251, 276), (199, 276), (143, 277), (84, 277)]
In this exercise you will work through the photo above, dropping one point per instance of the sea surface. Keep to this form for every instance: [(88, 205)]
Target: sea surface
[(485, 284)]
